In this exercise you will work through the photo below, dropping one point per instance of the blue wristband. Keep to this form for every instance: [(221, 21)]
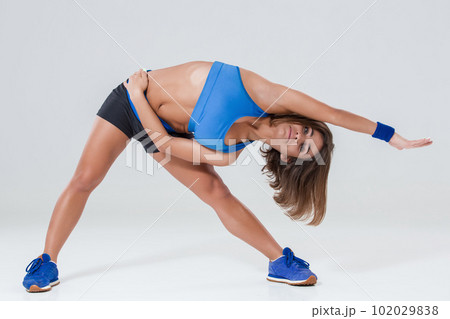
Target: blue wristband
[(383, 132)]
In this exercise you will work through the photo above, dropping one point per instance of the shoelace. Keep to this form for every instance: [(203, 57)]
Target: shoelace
[(290, 258), (33, 265)]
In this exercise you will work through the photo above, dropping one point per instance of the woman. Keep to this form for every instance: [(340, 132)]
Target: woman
[(204, 114)]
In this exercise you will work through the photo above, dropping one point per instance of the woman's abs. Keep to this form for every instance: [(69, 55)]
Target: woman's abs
[(174, 91)]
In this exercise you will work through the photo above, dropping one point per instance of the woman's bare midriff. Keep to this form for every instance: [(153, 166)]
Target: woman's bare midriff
[(174, 91)]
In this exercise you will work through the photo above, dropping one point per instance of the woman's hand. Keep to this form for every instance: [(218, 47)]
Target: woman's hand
[(401, 143), (137, 82)]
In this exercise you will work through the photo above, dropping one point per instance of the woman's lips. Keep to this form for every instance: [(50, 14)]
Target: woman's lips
[(290, 130)]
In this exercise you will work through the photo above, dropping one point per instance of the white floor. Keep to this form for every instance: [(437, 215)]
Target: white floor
[(188, 254)]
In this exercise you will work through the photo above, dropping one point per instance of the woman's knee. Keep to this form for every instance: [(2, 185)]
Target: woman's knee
[(85, 181), (212, 189)]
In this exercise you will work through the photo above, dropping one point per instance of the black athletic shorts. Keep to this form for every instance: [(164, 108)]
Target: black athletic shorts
[(117, 110)]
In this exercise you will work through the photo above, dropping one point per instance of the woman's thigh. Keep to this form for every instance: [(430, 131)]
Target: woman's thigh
[(202, 179), (104, 144)]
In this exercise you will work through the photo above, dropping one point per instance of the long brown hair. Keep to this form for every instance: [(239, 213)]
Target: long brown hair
[(300, 189)]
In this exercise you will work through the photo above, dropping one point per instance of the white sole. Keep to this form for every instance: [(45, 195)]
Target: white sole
[(35, 288), (308, 282)]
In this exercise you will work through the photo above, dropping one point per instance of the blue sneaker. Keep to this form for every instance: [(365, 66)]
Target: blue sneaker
[(291, 270), (42, 274)]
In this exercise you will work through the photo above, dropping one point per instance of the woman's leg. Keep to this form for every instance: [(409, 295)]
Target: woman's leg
[(104, 144), (236, 217)]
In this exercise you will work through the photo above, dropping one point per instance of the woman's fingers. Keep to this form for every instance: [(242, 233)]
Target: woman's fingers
[(421, 142), (139, 74), (401, 143), (142, 75)]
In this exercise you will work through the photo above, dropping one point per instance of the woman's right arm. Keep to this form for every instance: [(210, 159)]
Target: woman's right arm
[(183, 148)]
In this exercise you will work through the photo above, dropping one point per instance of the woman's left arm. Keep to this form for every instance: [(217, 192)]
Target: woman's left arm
[(300, 103), (279, 99), (297, 102)]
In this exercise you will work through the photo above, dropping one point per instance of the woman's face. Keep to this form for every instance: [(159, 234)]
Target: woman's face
[(296, 140)]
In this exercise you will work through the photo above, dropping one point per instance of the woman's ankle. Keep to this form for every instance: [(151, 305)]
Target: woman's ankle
[(277, 253)]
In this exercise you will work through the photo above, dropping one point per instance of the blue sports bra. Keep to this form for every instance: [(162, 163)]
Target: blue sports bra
[(223, 100)]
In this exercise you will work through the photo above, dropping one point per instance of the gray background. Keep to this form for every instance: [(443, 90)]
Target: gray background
[(387, 221)]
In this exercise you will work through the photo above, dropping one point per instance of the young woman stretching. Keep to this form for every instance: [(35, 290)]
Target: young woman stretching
[(203, 114)]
